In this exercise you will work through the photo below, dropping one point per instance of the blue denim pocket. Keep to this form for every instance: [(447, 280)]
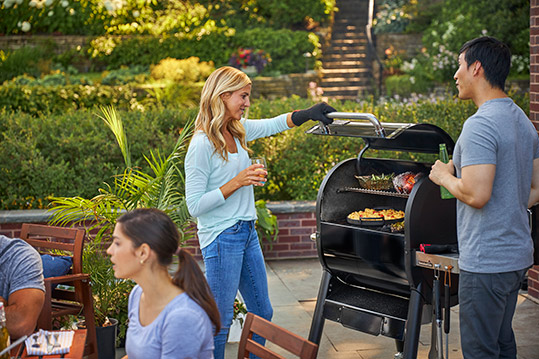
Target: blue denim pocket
[(211, 250), (232, 229)]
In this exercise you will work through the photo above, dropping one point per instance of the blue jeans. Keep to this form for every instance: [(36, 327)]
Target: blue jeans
[(487, 303), (234, 261)]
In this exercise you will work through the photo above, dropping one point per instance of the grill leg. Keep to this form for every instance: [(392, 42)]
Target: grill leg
[(413, 323), (317, 325)]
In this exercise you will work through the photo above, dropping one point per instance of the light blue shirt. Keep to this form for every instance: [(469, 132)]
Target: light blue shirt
[(206, 172), (181, 330), (496, 238)]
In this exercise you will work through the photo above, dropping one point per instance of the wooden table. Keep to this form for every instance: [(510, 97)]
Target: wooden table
[(75, 352)]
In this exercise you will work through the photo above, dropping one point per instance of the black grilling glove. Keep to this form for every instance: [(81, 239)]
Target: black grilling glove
[(316, 113)]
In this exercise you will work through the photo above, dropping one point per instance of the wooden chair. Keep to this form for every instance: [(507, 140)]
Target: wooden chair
[(285, 339), (60, 302)]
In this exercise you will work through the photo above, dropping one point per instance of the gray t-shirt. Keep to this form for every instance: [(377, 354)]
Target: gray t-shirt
[(20, 267), (181, 330), (496, 238)]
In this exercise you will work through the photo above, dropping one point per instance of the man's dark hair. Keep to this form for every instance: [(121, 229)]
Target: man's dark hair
[(494, 56)]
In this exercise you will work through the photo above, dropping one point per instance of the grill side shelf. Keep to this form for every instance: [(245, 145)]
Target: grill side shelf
[(372, 191)]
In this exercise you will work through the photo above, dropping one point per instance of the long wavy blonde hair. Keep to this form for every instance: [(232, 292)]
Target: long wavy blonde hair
[(211, 116)]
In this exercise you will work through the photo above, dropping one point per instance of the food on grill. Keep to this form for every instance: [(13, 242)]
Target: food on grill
[(393, 227), (376, 182), (369, 214), (404, 182)]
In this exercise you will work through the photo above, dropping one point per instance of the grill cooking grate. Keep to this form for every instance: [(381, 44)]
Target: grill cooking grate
[(372, 191)]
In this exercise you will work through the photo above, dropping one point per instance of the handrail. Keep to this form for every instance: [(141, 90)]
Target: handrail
[(368, 31)]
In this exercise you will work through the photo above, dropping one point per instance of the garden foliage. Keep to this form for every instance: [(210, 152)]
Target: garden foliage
[(72, 153), (447, 25)]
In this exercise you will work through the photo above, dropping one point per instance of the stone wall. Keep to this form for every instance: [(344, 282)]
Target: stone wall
[(410, 44), (283, 86), (63, 42)]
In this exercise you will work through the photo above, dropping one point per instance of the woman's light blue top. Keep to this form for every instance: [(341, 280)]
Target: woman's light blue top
[(206, 172), (181, 330)]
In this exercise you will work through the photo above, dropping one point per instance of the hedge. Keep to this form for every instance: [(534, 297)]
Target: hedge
[(73, 153)]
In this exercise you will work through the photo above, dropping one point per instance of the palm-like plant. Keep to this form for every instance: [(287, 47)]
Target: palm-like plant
[(161, 188)]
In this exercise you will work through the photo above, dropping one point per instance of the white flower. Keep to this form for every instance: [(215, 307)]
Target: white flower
[(136, 13), (71, 11), (33, 3), (109, 6), (51, 13), (19, 24), (8, 3), (19, 1), (26, 26), (48, 2), (65, 3)]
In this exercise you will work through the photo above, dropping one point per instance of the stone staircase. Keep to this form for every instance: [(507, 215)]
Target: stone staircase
[(347, 69)]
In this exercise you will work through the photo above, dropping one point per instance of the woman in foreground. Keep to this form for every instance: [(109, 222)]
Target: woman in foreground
[(169, 317)]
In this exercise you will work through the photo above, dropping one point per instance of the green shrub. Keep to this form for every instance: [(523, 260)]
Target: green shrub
[(32, 61), (72, 153), (404, 85), (37, 100), (125, 75), (286, 48), (185, 70)]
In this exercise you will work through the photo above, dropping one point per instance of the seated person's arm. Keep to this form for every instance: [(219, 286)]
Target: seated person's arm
[(22, 310), (534, 193)]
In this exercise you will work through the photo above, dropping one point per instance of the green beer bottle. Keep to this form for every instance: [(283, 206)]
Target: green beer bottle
[(4, 335), (444, 157)]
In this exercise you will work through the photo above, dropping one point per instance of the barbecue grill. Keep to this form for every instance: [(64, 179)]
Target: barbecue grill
[(372, 280)]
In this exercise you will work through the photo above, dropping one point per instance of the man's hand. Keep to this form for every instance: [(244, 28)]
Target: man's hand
[(474, 187), (441, 171), (22, 310)]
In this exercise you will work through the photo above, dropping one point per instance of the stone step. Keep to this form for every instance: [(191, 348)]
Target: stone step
[(344, 65), (344, 56), (346, 68), (359, 35), (345, 72), (342, 42), (345, 84), (344, 49)]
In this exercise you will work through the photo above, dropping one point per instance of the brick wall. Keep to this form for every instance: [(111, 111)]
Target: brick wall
[(293, 241), (533, 274)]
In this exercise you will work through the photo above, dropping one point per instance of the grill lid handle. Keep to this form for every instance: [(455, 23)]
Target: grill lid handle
[(378, 128)]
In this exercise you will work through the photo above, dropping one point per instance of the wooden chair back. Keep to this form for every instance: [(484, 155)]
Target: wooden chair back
[(60, 301), (279, 336)]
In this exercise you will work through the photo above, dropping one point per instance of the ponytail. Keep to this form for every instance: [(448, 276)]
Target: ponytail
[(191, 280)]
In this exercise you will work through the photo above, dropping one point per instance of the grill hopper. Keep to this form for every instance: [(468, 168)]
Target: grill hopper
[(370, 276)]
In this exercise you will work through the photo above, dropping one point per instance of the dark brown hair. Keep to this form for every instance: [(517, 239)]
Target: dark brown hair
[(155, 228)]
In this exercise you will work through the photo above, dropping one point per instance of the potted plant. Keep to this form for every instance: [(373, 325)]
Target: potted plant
[(240, 311), (163, 188), (133, 188)]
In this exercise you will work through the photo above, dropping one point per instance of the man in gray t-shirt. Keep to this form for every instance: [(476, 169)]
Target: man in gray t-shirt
[(494, 175), (21, 285)]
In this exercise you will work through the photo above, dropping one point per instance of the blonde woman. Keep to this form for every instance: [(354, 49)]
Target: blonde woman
[(219, 192)]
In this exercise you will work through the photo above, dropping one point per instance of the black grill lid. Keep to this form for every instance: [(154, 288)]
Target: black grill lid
[(410, 137)]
